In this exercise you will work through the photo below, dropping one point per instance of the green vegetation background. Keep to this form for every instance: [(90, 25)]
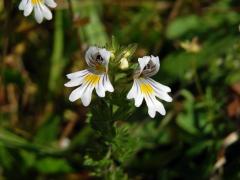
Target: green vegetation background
[(44, 136)]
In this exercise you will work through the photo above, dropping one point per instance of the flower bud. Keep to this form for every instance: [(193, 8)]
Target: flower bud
[(112, 55), (123, 63), (127, 54)]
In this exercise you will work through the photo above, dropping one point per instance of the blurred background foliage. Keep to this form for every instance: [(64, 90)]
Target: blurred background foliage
[(44, 136)]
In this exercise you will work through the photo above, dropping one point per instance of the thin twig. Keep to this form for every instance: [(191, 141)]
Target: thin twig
[(175, 10)]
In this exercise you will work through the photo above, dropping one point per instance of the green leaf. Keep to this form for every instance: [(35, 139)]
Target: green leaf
[(53, 165), (29, 158), (185, 119), (6, 159), (48, 132), (94, 32), (183, 25)]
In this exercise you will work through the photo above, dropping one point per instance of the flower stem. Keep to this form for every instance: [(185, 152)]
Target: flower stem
[(57, 60)]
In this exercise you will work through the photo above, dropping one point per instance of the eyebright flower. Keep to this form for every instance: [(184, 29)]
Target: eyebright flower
[(40, 8), (146, 88), (94, 77)]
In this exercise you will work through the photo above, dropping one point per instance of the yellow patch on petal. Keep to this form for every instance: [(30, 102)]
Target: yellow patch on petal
[(92, 79), (36, 1), (146, 88)]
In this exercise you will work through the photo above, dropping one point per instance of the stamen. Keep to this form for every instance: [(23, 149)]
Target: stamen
[(99, 58), (148, 66)]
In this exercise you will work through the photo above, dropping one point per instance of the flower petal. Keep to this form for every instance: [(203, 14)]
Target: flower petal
[(107, 84), (160, 108), (105, 55), (157, 91), (138, 100), (149, 66), (87, 95), (77, 93), (156, 62), (159, 86), (137, 95), (89, 56), (163, 96), (133, 91), (93, 52), (74, 82), (100, 88), (51, 3), (38, 14), (143, 62), (151, 109), (46, 12), (22, 4), (77, 74), (28, 9)]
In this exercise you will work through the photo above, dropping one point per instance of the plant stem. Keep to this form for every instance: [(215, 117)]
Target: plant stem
[(57, 60), (198, 84)]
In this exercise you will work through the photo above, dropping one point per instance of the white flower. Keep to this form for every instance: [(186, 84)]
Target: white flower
[(146, 88), (94, 77), (40, 8)]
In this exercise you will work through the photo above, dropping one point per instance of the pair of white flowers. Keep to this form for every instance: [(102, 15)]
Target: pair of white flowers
[(96, 77), (40, 8)]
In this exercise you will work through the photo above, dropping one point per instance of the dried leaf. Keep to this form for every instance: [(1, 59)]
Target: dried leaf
[(236, 88), (233, 108)]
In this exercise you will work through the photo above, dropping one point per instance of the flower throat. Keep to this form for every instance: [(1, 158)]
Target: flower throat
[(36, 1)]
